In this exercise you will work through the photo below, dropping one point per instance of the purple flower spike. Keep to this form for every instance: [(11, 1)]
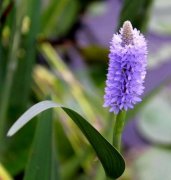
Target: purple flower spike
[(127, 69)]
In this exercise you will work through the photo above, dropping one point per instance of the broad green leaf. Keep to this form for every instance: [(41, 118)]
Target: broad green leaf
[(110, 158), (42, 162)]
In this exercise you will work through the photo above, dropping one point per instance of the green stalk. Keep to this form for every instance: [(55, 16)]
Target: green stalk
[(119, 122), (118, 128)]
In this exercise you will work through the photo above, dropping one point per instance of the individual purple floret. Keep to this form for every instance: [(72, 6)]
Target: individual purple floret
[(127, 69)]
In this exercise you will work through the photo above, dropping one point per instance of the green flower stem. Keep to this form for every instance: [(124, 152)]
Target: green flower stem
[(118, 128), (119, 122)]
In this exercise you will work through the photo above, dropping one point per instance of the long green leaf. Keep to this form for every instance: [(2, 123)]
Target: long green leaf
[(15, 151), (110, 158), (41, 162), (26, 63)]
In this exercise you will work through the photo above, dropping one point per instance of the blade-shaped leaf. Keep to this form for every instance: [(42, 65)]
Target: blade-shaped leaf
[(42, 164), (15, 151), (110, 158)]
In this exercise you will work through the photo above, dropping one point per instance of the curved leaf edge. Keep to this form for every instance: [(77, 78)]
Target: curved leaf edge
[(112, 161)]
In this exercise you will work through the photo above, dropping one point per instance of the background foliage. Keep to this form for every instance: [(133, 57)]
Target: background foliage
[(59, 49)]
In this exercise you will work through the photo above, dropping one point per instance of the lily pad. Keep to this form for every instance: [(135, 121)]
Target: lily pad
[(155, 119), (160, 17), (153, 164)]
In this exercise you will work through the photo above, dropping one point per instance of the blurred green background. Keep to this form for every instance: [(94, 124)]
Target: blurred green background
[(59, 48)]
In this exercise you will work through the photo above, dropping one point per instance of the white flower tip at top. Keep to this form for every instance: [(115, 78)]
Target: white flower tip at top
[(127, 34)]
